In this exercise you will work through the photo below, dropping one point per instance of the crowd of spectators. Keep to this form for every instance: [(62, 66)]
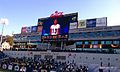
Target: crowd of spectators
[(46, 65), (41, 65), (2, 55)]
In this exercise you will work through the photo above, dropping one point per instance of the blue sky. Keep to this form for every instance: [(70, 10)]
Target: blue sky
[(26, 12)]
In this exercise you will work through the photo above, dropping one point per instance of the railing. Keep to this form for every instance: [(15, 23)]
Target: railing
[(78, 50)]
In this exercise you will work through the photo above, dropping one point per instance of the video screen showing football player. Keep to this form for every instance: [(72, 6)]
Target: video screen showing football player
[(55, 28)]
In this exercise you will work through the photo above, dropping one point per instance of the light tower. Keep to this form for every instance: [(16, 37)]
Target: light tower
[(4, 22)]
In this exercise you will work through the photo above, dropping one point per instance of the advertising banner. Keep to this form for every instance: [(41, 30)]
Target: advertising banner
[(28, 29), (101, 21), (73, 25), (34, 29), (23, 30), (82, 24), (90, 23)]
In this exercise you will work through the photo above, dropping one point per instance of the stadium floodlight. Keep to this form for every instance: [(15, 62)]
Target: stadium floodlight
[(3, 21)]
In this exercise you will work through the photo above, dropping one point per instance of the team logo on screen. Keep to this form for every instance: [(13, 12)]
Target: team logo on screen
[(56, 14)]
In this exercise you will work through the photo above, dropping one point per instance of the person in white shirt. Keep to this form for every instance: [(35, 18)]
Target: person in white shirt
[(10, 67), (4, 66), (23, 69), (16, 68), (55, 28)]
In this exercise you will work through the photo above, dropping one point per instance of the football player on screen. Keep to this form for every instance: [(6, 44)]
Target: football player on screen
[(55, 28)]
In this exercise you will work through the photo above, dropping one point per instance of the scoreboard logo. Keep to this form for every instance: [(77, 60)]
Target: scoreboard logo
[(56, 14)]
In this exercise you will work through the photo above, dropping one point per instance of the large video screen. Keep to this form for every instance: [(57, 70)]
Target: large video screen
[(56, 29)]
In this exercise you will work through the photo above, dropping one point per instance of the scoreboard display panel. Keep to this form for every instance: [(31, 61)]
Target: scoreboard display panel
[(56, 28)]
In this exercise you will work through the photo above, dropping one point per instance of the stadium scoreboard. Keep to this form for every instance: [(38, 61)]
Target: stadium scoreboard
[(56, 27)]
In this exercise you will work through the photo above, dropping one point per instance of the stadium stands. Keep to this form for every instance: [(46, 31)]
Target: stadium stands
[(47, 65), (2, 55)]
